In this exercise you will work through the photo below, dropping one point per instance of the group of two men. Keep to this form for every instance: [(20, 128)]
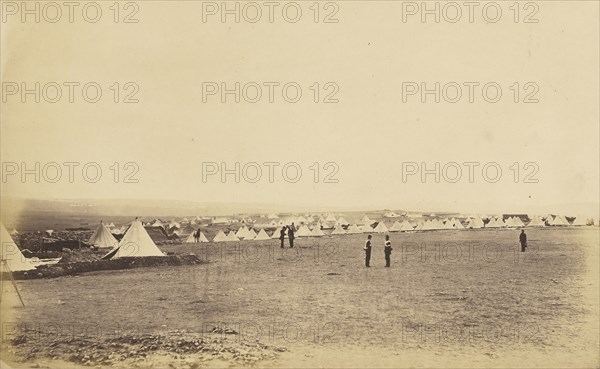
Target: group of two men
[(387, 250), (290, 233)]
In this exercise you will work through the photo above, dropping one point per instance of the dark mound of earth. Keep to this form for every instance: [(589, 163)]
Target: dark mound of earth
[(64, 269)]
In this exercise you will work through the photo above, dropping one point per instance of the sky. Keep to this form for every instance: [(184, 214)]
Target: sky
[(370, 137)]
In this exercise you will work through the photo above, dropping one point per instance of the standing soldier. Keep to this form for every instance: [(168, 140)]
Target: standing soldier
[(197, 235), (523, 240), (291, 231), (368, 251), (282, 235), (388, 251)]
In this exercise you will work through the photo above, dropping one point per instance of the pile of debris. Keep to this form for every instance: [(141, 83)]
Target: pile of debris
[(83, 255), (74, 268), (42, 241)]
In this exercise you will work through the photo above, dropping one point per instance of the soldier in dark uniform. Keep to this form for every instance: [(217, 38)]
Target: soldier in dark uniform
[(523, 240), (291, 230), (197, 235), (282, 235), (387, 250), (368, 251)]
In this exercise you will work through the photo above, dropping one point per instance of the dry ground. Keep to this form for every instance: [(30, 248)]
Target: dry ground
[(451, 298)]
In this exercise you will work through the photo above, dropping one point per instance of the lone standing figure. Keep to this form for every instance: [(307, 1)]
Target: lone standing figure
[(368, 251), (291, 230), (523, 240), (387, 250), (282, 236)]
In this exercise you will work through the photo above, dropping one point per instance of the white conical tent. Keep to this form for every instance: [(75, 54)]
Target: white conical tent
[(475, 223), (136, 243), (316, 231), (277, 233), (549, 219), (241, 233), (12, 254), (456, 224), (536, 222), (330, 218), (579, 221), (339, 230), (103, 238), (381, 228), (250, 235), (220, 237), (353, 229), (262, 235), (395, 227), (190, 238), (406, 226), (303, 231), (559, 220), (420, 226), (342, 221), (428, 225), (518, 222), (366, 220), (494, 223), (436, 224), (232, 237)]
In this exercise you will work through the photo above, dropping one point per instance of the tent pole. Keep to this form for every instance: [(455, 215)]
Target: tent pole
[(13, 281)]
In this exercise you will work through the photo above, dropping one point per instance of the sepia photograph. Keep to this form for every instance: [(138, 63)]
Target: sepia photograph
[(300, 184)]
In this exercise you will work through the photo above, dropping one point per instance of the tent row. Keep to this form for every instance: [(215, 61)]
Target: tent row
[(104, 238), (244, 233)]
